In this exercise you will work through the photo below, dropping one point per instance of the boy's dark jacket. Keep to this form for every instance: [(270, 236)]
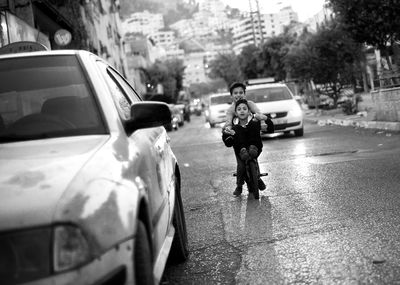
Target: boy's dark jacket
[(244, 137), (247, 135)]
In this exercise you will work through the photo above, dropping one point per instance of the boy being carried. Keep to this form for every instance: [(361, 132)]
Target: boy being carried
[(238, 91)]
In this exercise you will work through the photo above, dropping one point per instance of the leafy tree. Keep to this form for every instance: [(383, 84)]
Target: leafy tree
[(226, 66), (249, 61), (176, 70), (272, 56), (197, 90), (373, 22), (300, 61), (169, 74), (330, 57)]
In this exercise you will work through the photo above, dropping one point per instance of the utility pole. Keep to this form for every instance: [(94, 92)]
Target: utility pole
[(256, 26)]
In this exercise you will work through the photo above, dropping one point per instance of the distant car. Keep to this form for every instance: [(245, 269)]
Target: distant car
[(180, 113), (277, 102), (176, 117), (195, 107), (185, 107), (217, 107), (89, 186)]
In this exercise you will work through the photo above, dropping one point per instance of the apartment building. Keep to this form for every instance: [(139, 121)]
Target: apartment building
[(287, 15), (89, 25), (324, 15), (254, 30), (143, 23), (195, 71), (246, 32), (163, 38)]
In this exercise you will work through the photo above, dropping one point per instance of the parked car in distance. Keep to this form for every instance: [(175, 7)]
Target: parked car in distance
[(176, 118), (277, 102), (90, 188), (180, 110), (195, 107), (217, 106)]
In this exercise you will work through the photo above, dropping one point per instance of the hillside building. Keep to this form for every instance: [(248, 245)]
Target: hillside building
[(143, 23)]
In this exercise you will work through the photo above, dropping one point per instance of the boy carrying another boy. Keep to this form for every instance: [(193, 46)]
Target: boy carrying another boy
[(238, 91), (246, 137)]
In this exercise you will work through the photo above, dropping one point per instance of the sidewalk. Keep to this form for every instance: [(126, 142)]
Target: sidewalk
[(364, 119)]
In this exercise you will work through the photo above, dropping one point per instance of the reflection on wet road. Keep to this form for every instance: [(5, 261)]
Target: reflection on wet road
[(330, 213)]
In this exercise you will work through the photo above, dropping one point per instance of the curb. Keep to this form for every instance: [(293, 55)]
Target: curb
[(380, 125)]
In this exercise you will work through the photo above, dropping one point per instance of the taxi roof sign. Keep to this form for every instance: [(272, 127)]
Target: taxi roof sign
[(264, 80), (23, 46)]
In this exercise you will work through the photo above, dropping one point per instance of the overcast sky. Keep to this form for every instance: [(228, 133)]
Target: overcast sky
[(304, 8)]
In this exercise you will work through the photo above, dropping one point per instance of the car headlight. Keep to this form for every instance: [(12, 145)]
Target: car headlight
[(296, 111), (25, 255), (70, 248)]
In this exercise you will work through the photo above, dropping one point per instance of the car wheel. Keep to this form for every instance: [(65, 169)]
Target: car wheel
[(299, 132), (179, 249), (143, 260)]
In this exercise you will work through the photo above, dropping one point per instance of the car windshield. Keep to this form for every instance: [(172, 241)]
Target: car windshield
[(223, 99), (268, 94), (42, 97)]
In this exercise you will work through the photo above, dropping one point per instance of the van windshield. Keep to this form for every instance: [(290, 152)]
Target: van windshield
[(268, 94), (223, 99)]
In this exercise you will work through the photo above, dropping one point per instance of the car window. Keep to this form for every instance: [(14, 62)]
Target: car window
[(121, 100), (127, 88), (268, 94), (223, 99), (46, 96)]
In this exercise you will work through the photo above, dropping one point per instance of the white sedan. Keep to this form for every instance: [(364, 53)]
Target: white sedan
[(89, 186), (276, 101)]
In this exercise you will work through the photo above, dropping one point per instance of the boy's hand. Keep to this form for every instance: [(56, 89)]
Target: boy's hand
[(228, 130), (260, 117)]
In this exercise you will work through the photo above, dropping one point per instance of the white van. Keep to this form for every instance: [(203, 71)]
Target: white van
[(216, 109), (277, 102)]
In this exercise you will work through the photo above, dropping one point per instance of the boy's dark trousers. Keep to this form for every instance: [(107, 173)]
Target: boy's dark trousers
[(241, 158)]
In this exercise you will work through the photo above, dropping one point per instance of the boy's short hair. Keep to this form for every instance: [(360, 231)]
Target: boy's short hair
[(241, 101), (235, 85)]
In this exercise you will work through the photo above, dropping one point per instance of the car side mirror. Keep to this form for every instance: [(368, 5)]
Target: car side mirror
[(148, 115)]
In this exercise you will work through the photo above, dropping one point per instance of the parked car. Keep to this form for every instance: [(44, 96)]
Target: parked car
[(90, 188), (179, 110), (176, 118), (277, 102), (195, 107), (217, 107)]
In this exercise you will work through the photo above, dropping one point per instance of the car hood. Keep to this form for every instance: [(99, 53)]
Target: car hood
[(35, 174), (276, 106)]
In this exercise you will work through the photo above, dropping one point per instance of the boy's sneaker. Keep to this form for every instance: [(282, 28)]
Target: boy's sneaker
[(238, 191), (261, 184)]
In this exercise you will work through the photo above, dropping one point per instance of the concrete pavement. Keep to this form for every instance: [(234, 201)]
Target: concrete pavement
[(364, 119), (360, 121)]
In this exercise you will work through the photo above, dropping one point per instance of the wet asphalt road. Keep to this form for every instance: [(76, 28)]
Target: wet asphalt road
[(330, 213)]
